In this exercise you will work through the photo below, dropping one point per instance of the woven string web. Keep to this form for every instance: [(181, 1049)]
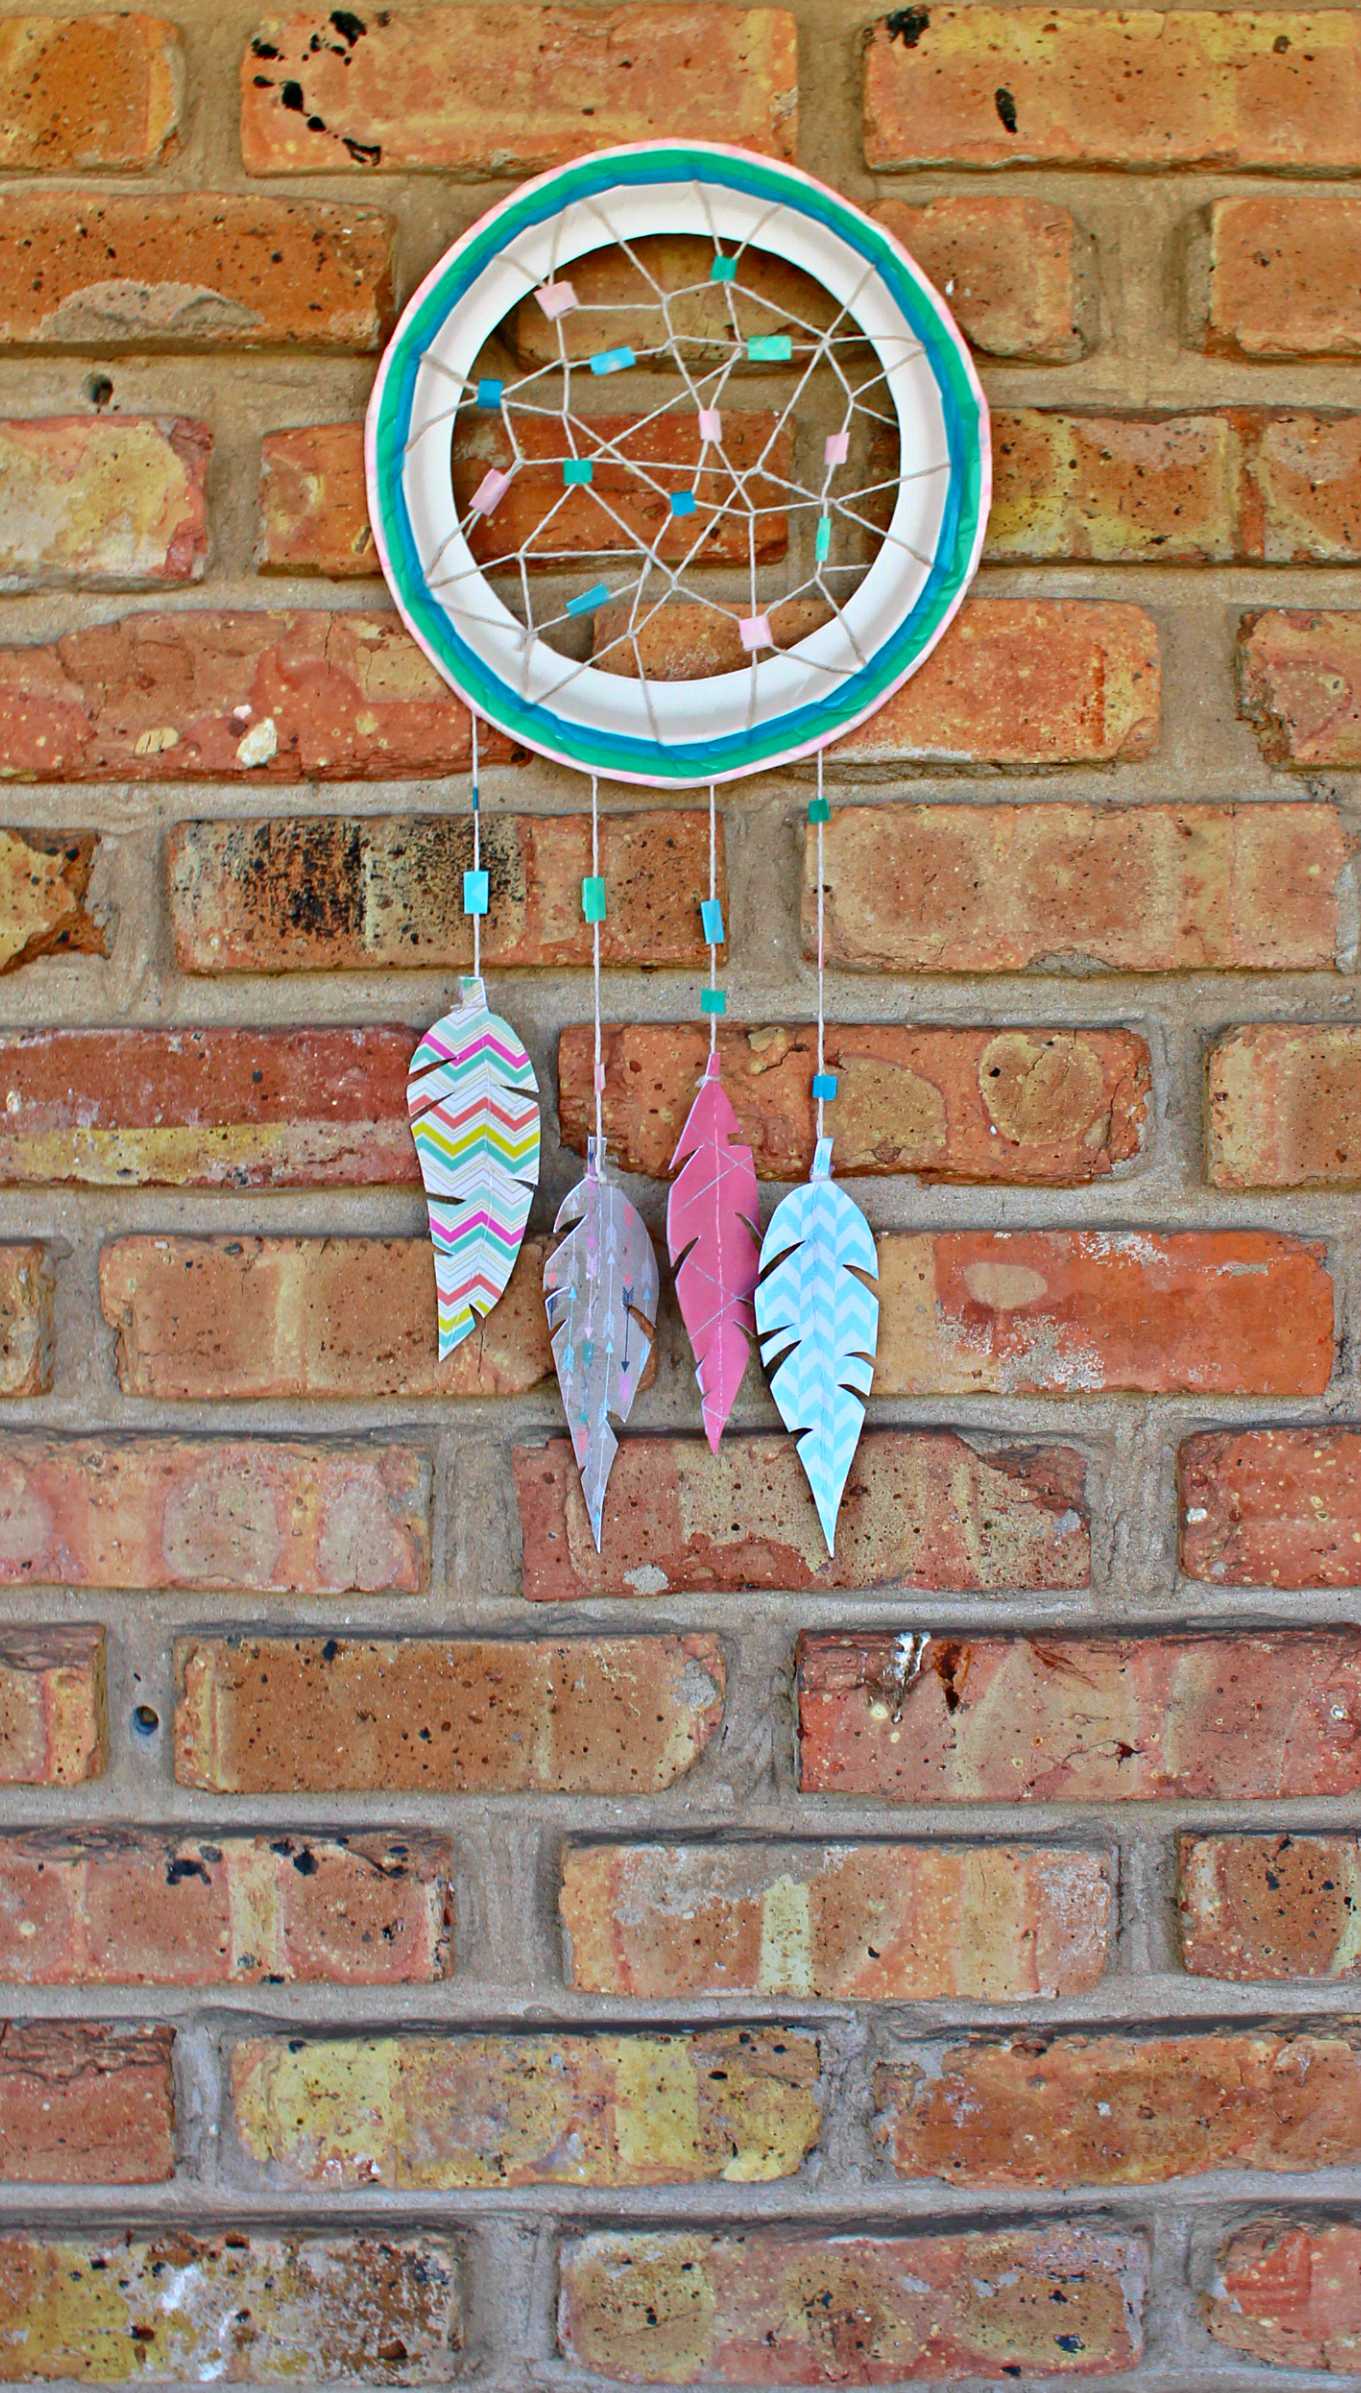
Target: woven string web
[(676, 421)]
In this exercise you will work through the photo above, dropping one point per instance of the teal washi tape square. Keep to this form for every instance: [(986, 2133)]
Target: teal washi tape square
[(822, 539), (819, 810), (476, 892), (713, 1001), (577, 469), (593, 897), (586, 601), (711, 918), (824, 1084), (723, 270), (770, 348)]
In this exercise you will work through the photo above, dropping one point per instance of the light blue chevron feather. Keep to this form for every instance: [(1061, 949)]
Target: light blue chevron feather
[(818, 1325)]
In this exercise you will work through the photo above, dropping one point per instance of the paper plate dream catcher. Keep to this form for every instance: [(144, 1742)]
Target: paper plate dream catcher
[(668, 402)]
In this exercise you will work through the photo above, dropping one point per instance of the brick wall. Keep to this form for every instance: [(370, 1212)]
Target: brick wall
[(432, 1952)]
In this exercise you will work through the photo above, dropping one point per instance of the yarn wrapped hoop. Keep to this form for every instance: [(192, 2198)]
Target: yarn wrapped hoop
[(875, 562)]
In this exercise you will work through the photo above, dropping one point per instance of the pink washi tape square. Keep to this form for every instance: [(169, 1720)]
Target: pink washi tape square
[(754, 631), (490, 491), (556, 299), (837, 448), (710, 423)]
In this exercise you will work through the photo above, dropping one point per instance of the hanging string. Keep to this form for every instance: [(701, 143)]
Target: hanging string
[(821, 1080), (477, 852), (596, 914), (712, 915)]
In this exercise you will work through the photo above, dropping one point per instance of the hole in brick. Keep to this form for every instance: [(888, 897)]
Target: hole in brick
[(99, 390), (145, 1720)]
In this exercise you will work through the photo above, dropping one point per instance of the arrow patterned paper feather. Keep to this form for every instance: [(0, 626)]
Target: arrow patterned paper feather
[(711, 1215), (819, 1325), (473, 1102), (600, 1287)]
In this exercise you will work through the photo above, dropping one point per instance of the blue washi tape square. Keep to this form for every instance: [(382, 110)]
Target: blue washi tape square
[(612, 361), (489, 394), (682, 502), (476, 892), (824, 1084), (711, 918)]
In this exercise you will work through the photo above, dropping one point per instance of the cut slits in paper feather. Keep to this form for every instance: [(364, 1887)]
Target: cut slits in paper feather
[(819, 1326), (600, 1286), (474, 1107), (711, 1215)]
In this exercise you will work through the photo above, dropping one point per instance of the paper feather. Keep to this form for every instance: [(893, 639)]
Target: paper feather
[(473, 1102), (711, 1215), (600, 1287), (819, 1326)]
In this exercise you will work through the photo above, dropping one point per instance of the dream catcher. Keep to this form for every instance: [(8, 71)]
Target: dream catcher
[(677, 469)]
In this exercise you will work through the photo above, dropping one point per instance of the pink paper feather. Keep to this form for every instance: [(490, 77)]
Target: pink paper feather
[(711, 1236)]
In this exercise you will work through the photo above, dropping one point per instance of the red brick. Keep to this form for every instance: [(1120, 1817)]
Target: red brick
[(852, 1922), (309, 1715), (1015, 681), (1283, 1106), (944, 888), (1014, 272), (102, 502), (52, 1723), (97, 91), (1072, 1312), (332, 1318), (1285, 275), (141, 1907), (1301, 494), (127, 1907), (1259, 1908), (1116, 489), (27, 1322), (204, 696), (922, 1508), (1272, 1507), (1047, 1107), (513, 89), (1300, 687), (1151, 87), (314, 511), (249, 1514), (1288, 2292), (86, 2105), (426, 2113), (212, 1108), (44, 879), (1092, 1720), (357, 893), (239, 2307), (1062, 2110), (192, 270), (823, 2308)]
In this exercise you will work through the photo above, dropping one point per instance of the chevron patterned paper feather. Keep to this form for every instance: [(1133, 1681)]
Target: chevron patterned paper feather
[(474, 1107), (600, 1286), (819, 1326), (711, 1216)]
